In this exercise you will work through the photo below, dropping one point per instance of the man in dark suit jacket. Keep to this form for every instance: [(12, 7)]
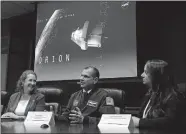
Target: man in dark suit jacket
[(87, 105)]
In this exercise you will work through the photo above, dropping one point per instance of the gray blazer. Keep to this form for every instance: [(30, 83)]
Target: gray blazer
[(36, 102)]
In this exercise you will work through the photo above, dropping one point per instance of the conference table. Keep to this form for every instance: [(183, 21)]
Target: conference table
[(8, 126)]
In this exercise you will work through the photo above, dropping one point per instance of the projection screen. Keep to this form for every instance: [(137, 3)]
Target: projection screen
[(72, 35)]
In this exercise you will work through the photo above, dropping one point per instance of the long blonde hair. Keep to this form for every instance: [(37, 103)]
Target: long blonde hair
[(22, 78)]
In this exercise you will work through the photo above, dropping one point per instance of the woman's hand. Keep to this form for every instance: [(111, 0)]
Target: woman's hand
[(9, 115), (136, 121), (12, 115)]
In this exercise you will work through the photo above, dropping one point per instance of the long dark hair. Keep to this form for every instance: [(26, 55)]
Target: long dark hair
[(163, 84), (20, 82)]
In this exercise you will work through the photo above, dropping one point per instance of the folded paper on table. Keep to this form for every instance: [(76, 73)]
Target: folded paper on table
[(117, 129), (116, 123), (39, 118), (105, 128), (117, 119)]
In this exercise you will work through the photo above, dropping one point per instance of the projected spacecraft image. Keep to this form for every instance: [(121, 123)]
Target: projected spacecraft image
[(73, 35), (79, 37)]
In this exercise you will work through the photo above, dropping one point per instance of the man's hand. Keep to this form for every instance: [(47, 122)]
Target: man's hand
[(76, 116), (136, 121)]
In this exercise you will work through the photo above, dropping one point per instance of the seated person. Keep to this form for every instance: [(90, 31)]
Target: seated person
[(162, 105), (87, 105), (26, 99)]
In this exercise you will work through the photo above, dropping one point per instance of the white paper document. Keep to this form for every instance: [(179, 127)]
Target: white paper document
[(116, 123), (116, 119), (39, 118)]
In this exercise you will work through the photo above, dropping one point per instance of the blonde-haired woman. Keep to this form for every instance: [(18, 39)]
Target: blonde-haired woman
[(26, 99)]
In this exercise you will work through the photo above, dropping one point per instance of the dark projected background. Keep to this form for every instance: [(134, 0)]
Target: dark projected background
[(73, 35)]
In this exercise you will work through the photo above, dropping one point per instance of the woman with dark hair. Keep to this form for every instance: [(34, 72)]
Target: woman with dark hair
[(162, 104), (26, 99)]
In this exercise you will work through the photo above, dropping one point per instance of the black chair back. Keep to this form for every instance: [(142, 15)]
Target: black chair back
[(118, 96), (53, 96)]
